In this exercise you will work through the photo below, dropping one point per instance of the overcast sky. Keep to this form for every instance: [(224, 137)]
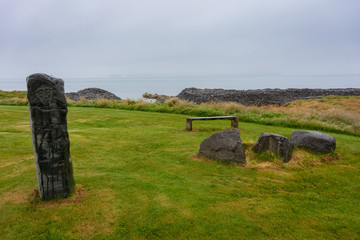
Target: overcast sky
[(89, 38)]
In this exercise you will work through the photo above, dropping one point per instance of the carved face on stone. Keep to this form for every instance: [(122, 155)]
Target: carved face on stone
[(44, 94)]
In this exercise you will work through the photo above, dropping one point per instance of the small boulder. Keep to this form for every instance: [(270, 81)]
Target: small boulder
[(313, 140), (276, 143), (224, 146)]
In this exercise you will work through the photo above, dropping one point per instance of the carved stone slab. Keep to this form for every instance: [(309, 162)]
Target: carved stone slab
[(50, 138)]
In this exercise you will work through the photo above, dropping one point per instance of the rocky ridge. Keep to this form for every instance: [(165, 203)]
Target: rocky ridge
[(91, 94), (261, 97)]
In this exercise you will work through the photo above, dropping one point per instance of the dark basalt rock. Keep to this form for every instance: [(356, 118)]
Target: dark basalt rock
[(92, 94), (276, 143), (313, 140), (225, 146), (51, 145), (260, 97)]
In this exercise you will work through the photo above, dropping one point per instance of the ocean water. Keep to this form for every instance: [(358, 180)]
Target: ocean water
[(133, 87)]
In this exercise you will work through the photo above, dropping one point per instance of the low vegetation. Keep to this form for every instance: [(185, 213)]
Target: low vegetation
[(155, 96), (338, 114)]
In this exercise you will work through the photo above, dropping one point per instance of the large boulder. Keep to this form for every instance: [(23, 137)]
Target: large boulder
[(313, 140), (276, 143), (224, 146)]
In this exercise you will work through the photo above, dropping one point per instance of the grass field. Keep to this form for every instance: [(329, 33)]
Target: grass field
[(138, 177)]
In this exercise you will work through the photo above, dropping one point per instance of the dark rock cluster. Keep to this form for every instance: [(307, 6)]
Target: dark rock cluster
[(227, 146), (261, 97), (91, 94)]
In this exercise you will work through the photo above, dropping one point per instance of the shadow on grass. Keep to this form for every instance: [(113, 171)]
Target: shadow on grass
[(208, 129), (35, 200)]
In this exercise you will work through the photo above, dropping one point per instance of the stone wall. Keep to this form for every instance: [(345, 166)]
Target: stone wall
[(261, 97)]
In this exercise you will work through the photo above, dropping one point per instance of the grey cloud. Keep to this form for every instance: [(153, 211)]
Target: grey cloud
[(85, 38)]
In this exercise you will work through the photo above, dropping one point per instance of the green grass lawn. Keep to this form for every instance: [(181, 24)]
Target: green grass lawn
[(137, 177)]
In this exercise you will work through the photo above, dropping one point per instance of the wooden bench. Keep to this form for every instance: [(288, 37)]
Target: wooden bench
[(234, 120)]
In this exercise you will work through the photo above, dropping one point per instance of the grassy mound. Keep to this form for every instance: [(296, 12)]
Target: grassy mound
[(138, 177)]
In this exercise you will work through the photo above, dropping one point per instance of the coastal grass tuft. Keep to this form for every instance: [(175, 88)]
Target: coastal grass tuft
[(17, 98), (138, 177)]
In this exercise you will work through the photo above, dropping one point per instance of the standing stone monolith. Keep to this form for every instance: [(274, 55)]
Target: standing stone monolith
[(50, 138)]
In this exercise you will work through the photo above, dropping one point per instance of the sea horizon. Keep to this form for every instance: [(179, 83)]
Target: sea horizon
[(133, 86)]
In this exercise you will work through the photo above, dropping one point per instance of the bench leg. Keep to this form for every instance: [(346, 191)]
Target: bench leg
[(188, 124), (235, 123)]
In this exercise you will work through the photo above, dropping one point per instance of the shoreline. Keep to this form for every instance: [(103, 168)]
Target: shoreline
[(256, 97)]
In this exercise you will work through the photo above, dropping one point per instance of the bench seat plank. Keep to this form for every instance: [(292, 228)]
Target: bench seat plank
[(234, 120), (212, 118)]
